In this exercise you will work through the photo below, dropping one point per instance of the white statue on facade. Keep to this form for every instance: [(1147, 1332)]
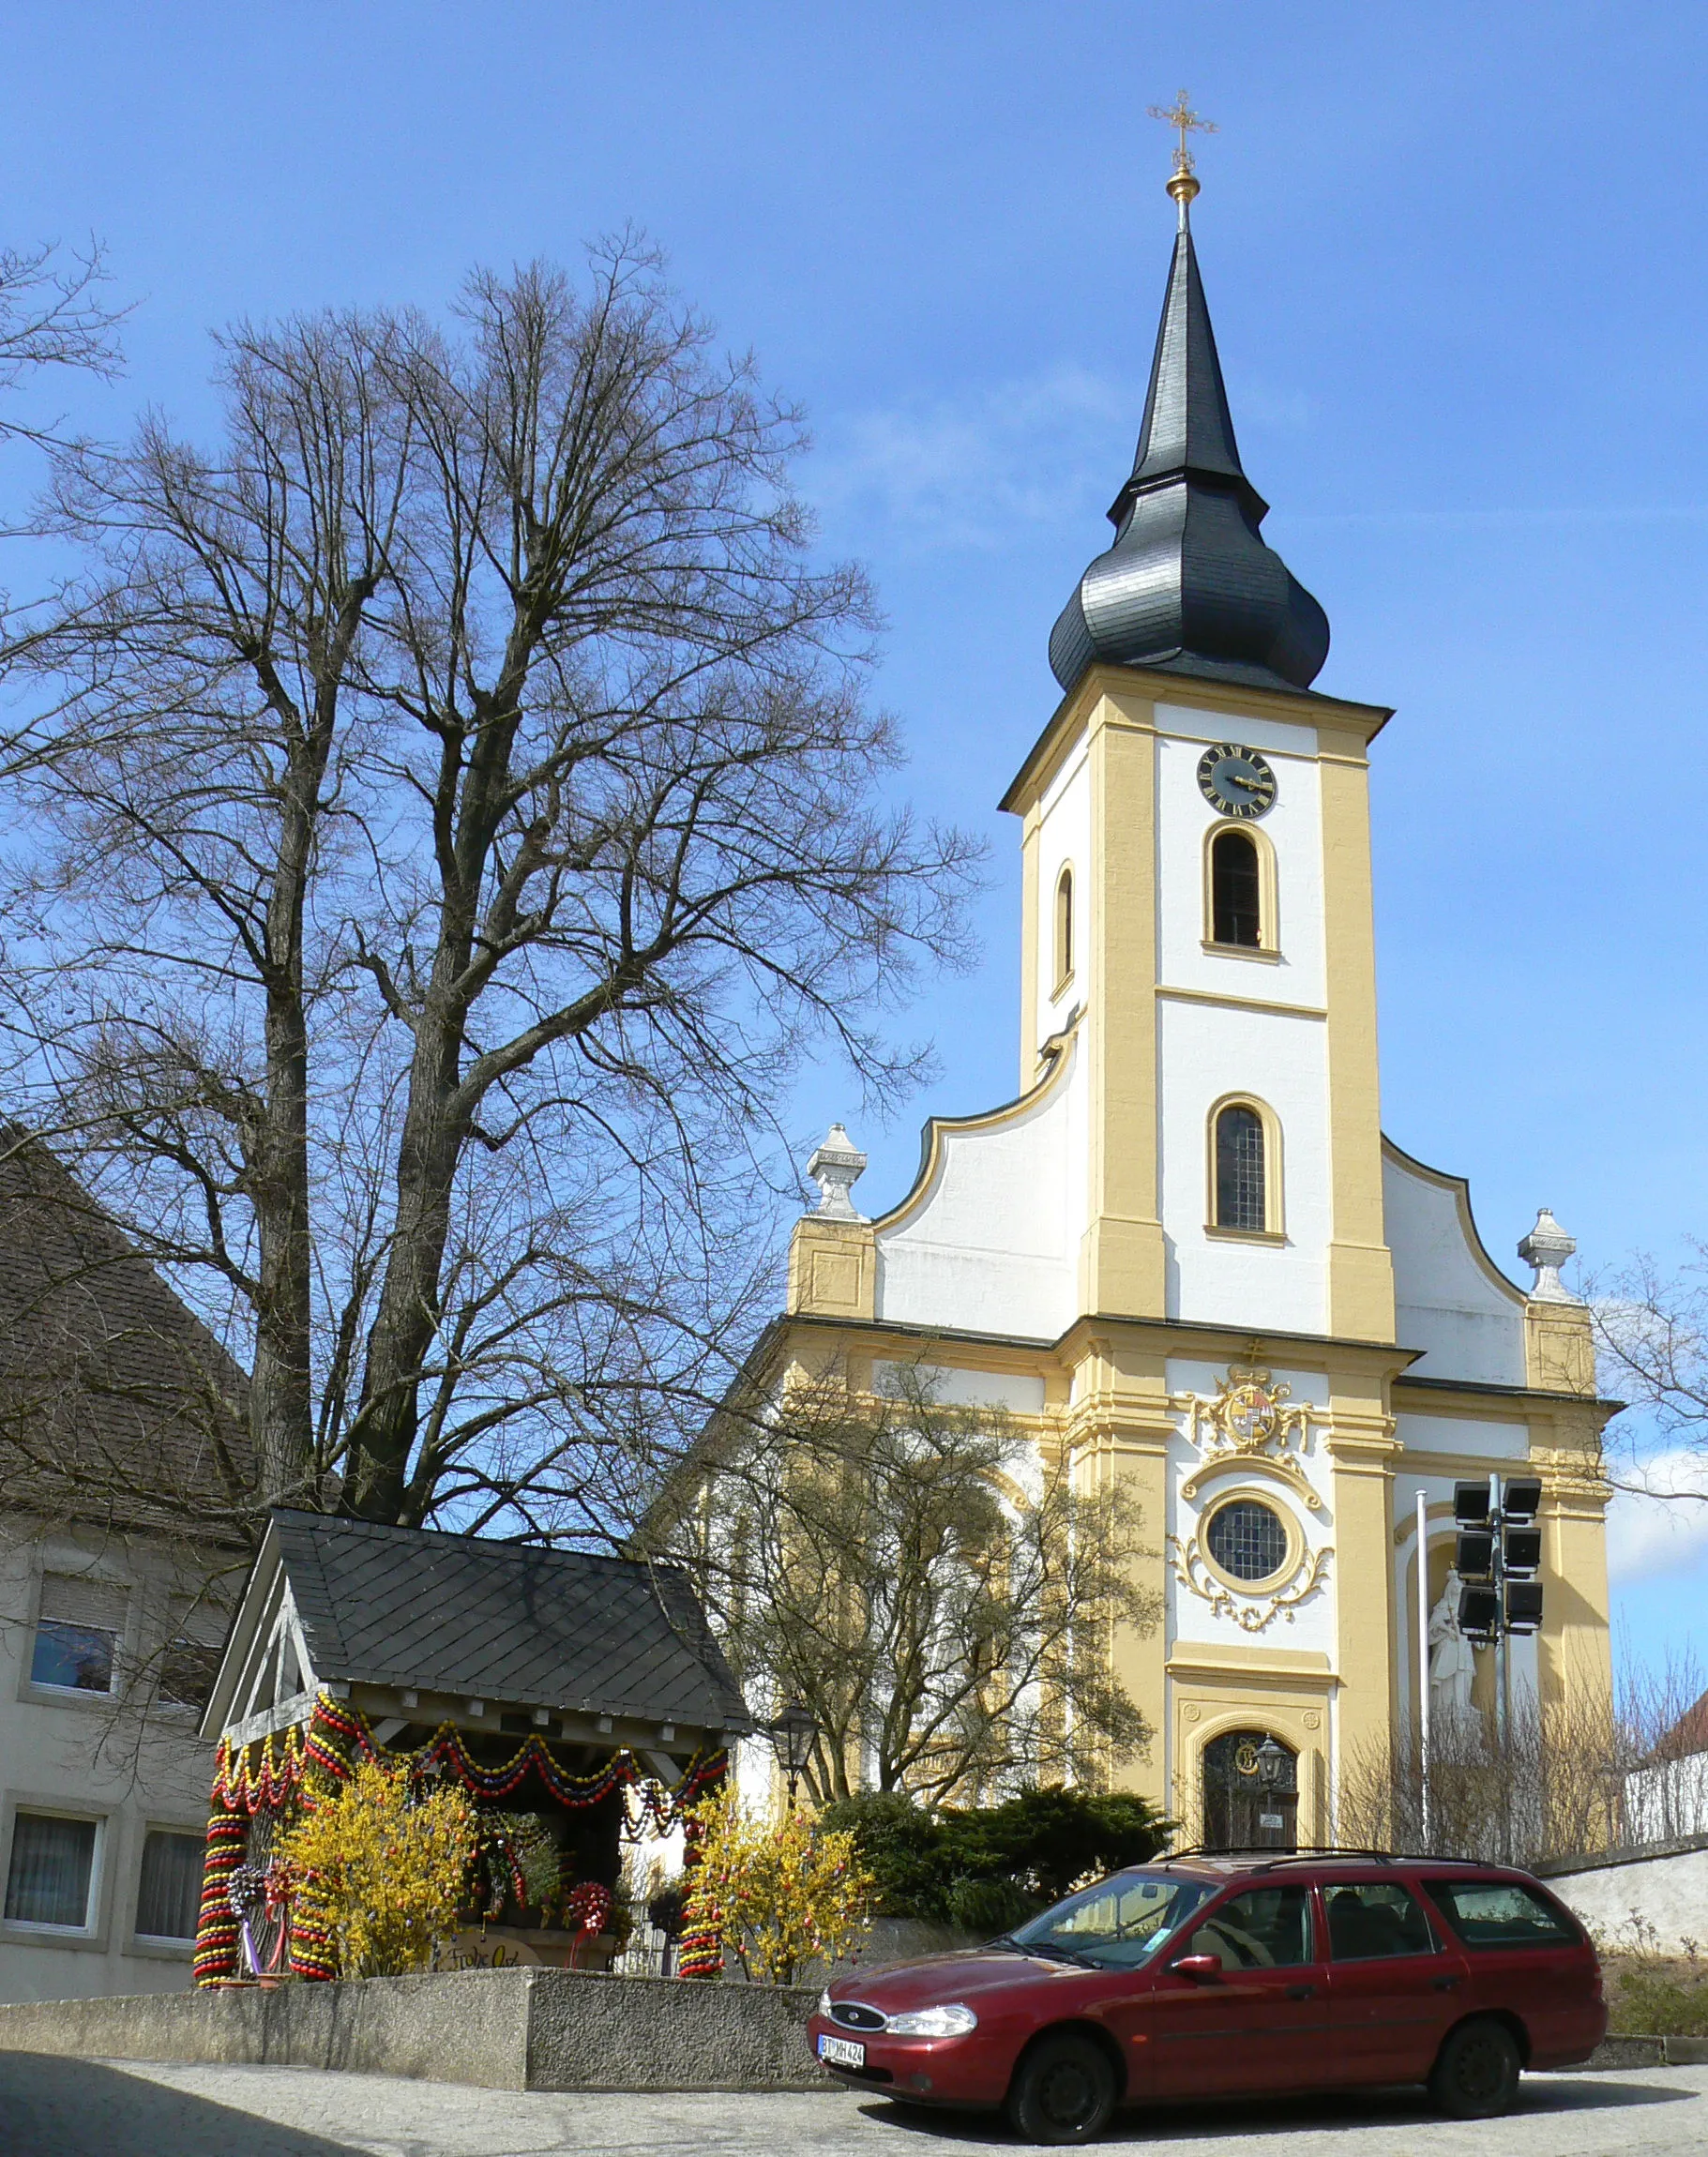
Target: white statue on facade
[(1452, 1660)]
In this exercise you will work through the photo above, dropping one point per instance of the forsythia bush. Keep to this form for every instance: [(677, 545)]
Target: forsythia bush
[(383, 1871), (782, 1891)]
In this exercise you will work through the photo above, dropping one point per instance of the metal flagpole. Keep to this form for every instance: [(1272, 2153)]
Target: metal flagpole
[(1502, 1705), (1423, 1658)]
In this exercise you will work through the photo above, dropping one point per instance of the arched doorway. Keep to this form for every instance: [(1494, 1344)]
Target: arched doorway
[(1252, 1792)]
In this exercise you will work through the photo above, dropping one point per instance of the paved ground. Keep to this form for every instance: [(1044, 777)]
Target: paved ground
[(92, 2108)]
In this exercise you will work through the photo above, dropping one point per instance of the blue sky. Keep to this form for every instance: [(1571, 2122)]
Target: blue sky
[(1454, 257)]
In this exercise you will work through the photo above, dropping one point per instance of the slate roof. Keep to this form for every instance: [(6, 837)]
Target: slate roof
[(1188, 585), (503, 1621), (116, 1403)]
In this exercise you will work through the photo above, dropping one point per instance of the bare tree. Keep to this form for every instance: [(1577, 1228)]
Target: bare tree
[(53, 315), (1652, 1344), (926, 1579), (454, 806)]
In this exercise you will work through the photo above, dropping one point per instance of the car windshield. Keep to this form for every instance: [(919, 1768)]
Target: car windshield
[(1116, 1924)]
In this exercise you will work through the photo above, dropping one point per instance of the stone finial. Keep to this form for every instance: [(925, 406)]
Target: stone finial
[(836, 1168), (1547, 1248)]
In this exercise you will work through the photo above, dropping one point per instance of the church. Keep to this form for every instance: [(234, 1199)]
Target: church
[(1185, 1254)]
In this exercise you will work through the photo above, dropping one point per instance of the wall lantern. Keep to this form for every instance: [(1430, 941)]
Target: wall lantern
[(1274, 1766)]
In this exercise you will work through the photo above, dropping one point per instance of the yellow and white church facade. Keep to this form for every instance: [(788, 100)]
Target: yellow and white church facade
[(1184, 1251)]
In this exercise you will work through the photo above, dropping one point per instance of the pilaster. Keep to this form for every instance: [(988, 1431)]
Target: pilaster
[(1360, 1270), (1364, 1450), (1122, 1260)]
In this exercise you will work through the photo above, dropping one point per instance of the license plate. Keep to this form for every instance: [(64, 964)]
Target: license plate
[(842, 2052)]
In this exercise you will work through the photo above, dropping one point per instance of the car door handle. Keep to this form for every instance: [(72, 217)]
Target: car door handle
[(1300, 1991), (1446, 1983)]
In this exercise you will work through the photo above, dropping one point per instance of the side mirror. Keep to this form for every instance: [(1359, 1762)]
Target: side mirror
[(1201, 1969)]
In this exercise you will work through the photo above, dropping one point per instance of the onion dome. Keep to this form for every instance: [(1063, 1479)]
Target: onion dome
[(1188, 585)]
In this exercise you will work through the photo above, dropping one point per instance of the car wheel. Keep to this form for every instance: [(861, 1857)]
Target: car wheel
[(1064, 2092), (1477, 2073)]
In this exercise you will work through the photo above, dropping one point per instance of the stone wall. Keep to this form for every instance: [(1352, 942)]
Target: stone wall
[(1657, 1896), (495, 2029)]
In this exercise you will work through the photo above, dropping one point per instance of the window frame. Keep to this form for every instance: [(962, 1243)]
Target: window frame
[(1247, 1494), (1062, 931), (1274, 1230), (31, 1688), (1267, 949), (30, 1932), (159, 1946)]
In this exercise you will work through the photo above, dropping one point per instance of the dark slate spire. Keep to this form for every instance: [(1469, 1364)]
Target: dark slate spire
[(1188, 585)]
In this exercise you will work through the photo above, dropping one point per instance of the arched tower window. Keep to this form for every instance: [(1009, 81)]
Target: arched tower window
[(1240, 908), (1236, 891), (1241, 1170), (1064, 929)]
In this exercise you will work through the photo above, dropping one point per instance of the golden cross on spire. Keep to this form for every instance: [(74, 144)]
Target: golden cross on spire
[(1183, 185), (1180, 114)]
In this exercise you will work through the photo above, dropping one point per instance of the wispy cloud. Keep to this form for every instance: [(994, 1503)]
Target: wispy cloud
[(964, 471), (1662, 1527)]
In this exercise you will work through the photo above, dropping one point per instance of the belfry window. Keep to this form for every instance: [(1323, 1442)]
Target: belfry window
[(1235, 890), (1241, 1178), (1064, 929)]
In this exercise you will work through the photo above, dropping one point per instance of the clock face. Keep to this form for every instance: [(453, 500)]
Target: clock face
[(1236, 781)]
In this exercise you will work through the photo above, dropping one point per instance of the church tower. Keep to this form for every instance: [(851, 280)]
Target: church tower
[(1184, 1252)]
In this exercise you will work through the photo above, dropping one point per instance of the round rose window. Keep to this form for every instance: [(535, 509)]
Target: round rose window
[(1247, 1539)]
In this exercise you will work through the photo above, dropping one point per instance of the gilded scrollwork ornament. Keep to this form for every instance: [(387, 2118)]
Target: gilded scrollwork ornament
[(1251, 1614)]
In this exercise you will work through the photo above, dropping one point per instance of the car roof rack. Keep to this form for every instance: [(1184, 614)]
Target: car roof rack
[(1307, 1853)]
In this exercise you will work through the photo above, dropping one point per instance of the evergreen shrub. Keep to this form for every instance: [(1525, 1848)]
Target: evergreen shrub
[(988, 1867)]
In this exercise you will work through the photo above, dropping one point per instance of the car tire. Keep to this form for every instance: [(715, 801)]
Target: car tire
[(1477, 2070), (1064, 2092)]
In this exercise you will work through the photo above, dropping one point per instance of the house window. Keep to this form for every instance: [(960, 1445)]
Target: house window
[(1241, 1170), (188, 1660), (78, 1631), (52, 1866), (169, 1893), (1063, 930), (1236, 891)]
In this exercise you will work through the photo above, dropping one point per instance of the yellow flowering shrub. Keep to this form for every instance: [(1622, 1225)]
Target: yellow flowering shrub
[(383, 1871), (782, 1891)]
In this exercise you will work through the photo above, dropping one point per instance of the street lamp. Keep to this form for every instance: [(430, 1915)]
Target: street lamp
[(1273, 1763), (792, 1736)]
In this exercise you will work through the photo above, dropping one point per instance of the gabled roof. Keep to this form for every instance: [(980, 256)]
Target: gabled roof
[(501, 1622), (116, 1403)]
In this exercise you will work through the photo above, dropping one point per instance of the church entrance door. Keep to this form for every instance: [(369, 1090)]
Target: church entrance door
[(1252, 1792)]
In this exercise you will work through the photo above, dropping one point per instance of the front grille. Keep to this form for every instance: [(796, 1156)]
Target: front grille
[(851, 2015)]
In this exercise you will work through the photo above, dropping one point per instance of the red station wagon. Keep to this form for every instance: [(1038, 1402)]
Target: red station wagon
[(1232, 1976)]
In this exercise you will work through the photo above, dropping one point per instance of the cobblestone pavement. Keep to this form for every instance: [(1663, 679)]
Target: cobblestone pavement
[(52, 2107)]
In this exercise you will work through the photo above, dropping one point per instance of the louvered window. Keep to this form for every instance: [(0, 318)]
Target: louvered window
[(78, 1631), (1235, 891)]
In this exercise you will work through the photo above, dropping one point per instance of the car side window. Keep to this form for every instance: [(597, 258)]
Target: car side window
[(1370, 1918), (1500, 1913), (1267, 1928)]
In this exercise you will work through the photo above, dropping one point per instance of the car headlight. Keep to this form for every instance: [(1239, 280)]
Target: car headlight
[(933, 2022), (824, 2003)]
